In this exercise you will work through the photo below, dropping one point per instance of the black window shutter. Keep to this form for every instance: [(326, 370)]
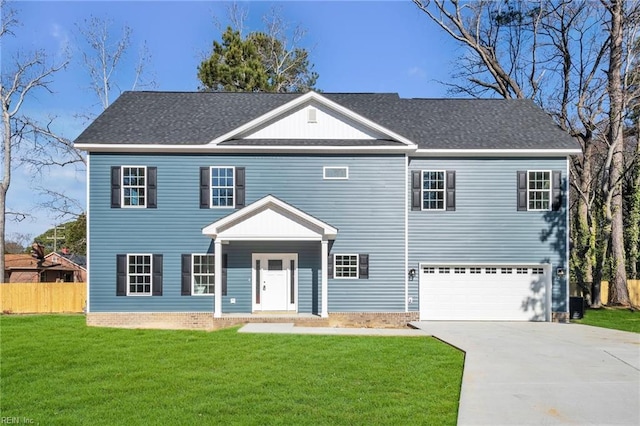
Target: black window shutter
[(224, 274), (115, 187), (157, 275), (330, 266), (363, 266), (522, 190), (205, 184), (451, 190), (556, 192), (121, 275), (152, 187), (240, 186), (186, 275), (416, 183)]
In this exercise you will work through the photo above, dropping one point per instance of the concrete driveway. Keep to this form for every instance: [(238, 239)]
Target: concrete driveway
[(544, 373)]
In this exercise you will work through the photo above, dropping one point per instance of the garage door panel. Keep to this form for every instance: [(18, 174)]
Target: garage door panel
[(486, 293)]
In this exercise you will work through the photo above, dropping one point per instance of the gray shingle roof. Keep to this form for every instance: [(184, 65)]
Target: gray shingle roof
[(195, 118)]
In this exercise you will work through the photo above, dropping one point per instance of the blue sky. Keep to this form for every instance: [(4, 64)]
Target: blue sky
[(356, 46)]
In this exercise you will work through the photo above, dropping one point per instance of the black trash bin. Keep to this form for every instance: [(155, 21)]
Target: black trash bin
[(576, 307)]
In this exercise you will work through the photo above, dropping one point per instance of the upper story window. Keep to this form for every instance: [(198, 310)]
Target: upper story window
[(539, 190), (433, 190), (335, 173), (222, 187), (133, 187)]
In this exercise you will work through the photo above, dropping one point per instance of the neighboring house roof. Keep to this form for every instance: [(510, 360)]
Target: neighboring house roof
[(198, 118), (75, 259), (20, 261), (25, 262)]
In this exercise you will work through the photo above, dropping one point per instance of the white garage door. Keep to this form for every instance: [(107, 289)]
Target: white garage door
[(485, 292)]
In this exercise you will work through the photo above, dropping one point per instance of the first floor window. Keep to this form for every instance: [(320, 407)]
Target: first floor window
[(539, 190), (433, 190), (139, 274), (346, 266), (134, 186), (222, 187), (203, 271)]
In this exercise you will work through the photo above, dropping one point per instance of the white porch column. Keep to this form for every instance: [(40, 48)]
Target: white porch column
[(217, 310), (324, 313)]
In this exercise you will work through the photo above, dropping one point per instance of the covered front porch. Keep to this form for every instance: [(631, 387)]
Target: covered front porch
[(274, 275)]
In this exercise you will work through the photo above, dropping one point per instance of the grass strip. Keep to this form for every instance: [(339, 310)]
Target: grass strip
[(616, 318)]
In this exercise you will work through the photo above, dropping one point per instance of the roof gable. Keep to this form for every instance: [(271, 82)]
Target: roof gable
[(270, 219), (291, 121), (312, 121)]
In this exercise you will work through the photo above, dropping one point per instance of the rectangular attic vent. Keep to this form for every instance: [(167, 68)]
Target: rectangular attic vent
[(311, 115)]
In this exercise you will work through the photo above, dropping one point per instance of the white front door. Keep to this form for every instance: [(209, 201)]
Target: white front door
[(275, 282), (274, 286)]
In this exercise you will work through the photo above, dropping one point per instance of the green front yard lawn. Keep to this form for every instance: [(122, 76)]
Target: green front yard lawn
[(619, 319), (56, 370)]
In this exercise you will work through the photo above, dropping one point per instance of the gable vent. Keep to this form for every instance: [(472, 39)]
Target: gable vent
[(312, 115)]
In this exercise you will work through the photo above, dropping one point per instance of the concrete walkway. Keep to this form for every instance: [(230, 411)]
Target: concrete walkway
[(288, 328), (544, 373)]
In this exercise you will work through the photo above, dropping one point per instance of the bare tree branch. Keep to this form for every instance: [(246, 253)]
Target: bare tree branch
[(26, 75), (104, 54)]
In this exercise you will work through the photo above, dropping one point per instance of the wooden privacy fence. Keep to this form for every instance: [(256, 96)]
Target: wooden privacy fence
[(40, 298), (634, 292)]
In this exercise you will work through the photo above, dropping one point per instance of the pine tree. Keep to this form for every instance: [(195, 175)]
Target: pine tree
[(234, 66)]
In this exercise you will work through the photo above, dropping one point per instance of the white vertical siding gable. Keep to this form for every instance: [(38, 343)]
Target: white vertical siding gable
[(313, 121)]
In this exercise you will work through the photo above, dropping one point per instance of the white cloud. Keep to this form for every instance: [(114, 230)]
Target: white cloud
[(416, 72), (61, 36)]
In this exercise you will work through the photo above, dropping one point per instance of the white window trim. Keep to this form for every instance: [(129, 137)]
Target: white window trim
[(540, 190), (443, 190), (129, 255), (193, 280), (122, 186), (324, 172), (335, 266), (233, 199)]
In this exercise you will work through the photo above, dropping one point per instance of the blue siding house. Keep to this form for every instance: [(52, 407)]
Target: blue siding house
[(206, 209)]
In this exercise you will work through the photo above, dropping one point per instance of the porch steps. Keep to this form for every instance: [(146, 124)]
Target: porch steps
[(299, 320)]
